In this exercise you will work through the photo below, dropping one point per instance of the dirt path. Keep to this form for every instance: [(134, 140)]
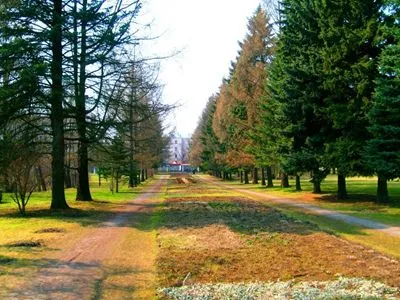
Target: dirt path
[(391, 230), (112, 261)]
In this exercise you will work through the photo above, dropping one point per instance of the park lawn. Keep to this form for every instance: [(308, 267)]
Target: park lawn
[(204, 238), (361, 192), (30, 242)]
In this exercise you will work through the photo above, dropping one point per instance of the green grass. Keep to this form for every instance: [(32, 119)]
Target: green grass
[(361, 202), (71, 223)]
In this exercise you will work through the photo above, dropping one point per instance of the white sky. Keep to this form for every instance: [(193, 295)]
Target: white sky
[(207, 32)]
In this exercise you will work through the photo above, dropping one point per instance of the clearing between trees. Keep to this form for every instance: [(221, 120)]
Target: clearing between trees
[(182, 237)]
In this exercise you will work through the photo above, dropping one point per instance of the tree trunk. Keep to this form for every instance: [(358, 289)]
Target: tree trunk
[(146, 175), (68, 181), (316, 187), (285, 180), (255, 176), (83, 188), (382, 195), (298, 183), (342, 191), (117, 183), (40, 178), (241, 176), (263, 183), (99, 180), (56, 112), (270, 182), (246, 177), (143, 176)]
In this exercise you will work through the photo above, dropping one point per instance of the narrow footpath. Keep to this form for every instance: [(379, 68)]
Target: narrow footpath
[(391, 230), (115, 260)]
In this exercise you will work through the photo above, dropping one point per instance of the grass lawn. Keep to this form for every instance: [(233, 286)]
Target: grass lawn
[(30, 242), (212, 235), (361, 202)]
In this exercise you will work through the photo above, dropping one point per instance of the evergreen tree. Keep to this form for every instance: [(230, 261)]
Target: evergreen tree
[(383, 149), (237, 110), (349, 31), (297, 83)]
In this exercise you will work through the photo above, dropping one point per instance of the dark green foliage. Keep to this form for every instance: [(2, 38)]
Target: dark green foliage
[(297, 83), (349, 30), (383, 153)]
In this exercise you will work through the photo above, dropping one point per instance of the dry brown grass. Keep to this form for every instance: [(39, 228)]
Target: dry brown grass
[(230, 239)]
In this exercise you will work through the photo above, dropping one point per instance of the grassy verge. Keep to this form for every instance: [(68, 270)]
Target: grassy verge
[(30, 242), (361, 202), (214, 235)]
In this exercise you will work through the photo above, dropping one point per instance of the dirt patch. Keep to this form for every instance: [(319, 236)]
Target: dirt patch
[(222, 239), (209, 237)]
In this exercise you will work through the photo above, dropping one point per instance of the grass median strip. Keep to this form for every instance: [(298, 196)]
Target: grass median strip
[(208, 239)]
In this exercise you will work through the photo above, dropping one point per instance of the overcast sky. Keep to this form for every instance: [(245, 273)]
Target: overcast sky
[(207, 32)]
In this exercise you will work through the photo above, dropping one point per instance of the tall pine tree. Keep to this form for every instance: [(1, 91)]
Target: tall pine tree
[(383, 153)]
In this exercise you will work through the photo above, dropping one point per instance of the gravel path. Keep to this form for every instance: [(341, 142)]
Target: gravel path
[(391, 230)]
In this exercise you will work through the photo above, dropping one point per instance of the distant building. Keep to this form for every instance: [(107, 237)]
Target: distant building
[(177, 155), (178, 150)]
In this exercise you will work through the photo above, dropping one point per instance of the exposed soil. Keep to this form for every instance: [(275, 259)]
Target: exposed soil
[(226, 239)]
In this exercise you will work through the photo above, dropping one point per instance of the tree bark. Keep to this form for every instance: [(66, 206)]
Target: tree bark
[(143, 176), (241, 176), (42, 182), (316, 187), (68, 181), (83, 188), (263, 183), (246, 177), (342, 191), (382, 195), (56, 112), (270, 182), (117, 183), (255, 176), (284, 180), (298, 183)]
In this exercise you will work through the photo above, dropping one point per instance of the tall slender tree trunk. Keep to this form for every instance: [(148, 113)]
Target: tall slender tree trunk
[(117, 183), (284, 180), (143, 176), (342, 191), (246, 177), (241, 176), (270, 182), (42, 182), (255, 176), (382, 194), (68, 181), (83, 188), (263, 183), (146, 174), (298, 183), (56, 113)]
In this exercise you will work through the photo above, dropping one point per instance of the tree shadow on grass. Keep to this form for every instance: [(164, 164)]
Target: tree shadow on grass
[(69, 280), (355, 198), (240, 215)]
